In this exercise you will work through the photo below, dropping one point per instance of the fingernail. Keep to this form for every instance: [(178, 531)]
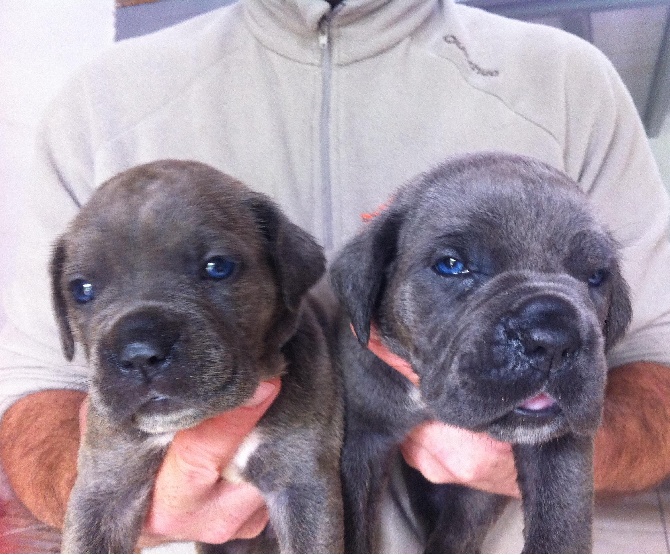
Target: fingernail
[(263, 392)]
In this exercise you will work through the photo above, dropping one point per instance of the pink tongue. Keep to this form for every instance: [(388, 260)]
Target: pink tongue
[(539, 402)]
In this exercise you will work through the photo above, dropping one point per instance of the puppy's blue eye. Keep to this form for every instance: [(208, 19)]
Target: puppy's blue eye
[(82, 291), (597, 278), (219, 267), (450, 266)]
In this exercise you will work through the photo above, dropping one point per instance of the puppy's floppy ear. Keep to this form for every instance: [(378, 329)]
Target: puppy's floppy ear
[(297, 258), (620, 310), (358, 273), (60, 306)]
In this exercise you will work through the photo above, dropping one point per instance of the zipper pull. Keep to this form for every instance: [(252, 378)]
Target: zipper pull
[(324, 25), (324, 31)]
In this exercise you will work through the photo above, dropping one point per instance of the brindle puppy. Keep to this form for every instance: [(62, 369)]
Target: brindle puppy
[(493, 279), (185, 290)]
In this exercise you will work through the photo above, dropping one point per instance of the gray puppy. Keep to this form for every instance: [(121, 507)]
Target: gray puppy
[(491, 277), (185, 290)]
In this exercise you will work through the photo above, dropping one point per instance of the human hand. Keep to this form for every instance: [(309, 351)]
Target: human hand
[(191, 501), (446, 454)]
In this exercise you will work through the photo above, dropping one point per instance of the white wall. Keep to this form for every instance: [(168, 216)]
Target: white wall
[(41, 43)]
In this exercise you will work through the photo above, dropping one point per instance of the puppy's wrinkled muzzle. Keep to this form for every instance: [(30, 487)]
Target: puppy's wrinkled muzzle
[(535, 371), (161, 369)]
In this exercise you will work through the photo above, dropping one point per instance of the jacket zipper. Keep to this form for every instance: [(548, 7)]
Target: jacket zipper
[(324, 129)]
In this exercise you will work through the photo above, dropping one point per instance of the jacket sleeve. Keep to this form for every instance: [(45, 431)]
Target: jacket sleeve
[(607, 151), (30, 353)]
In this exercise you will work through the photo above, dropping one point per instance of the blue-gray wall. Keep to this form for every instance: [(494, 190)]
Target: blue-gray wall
[(146, 18)]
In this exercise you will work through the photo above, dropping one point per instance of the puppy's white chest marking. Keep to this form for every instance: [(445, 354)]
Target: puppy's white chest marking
[(415, 399), (161, 440), (234, 471)]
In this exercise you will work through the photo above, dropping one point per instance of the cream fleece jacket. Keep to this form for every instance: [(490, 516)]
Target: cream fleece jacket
[(328, 112)]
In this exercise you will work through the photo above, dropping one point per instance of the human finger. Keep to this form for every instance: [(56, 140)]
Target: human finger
[(447, 454)]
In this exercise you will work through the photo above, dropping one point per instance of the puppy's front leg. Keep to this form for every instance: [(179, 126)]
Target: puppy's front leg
[(108, 503), (454, 518), (307, 515), (556, 481), (366, 459)]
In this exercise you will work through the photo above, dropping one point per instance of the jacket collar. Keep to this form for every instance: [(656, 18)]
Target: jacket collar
[(358, 28)]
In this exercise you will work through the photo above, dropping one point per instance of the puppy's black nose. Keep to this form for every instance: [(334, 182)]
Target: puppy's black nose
[(545, 330), (141, 344), (147, 358)]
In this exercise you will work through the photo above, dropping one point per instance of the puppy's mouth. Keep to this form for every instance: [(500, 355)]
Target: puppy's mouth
[(535, 420), (159, 414), (541, 405), (158, 403)]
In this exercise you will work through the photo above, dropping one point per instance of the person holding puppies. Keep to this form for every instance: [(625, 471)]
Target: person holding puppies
[(328, 107)]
